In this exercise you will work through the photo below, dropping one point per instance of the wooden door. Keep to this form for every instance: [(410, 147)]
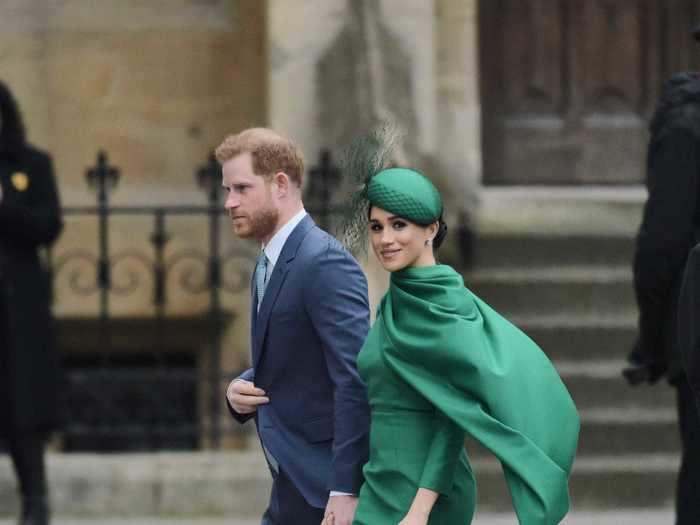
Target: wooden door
[(568, 86)]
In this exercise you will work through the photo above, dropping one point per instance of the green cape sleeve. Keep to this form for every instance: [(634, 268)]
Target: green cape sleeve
[(490, 378)]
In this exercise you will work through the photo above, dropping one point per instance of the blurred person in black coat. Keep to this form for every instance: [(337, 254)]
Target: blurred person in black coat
[(29, 373), (667, 233), (689, 321)]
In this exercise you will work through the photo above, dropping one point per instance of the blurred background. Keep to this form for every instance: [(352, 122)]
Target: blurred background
[(531, 116)]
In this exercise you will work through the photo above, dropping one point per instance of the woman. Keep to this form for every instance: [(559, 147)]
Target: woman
[(439, 363), (29, 218)]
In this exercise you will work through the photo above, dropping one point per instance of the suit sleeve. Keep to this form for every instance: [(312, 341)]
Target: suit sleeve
[(337, 303), (665, 234), (37, 224), (248, 375), (443, 456)]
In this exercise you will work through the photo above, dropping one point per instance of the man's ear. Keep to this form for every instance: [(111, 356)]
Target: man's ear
[(281, 179)]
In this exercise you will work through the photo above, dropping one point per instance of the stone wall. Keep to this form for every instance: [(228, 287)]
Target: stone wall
[(157, 85)]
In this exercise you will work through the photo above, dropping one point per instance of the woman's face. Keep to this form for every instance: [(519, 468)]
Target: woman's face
[(399, 243)]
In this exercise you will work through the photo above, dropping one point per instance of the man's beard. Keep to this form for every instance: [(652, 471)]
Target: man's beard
[(261, 224)]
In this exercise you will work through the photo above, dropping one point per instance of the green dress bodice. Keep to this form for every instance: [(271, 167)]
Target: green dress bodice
[(411, 445), (439, 363)]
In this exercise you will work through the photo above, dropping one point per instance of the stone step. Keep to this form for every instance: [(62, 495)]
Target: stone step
[(599, 384), (615, 431), (635, 481), (175, 484), (526, 250), (575, 517), (576, 337), (237, 484), (612, 431), (575, 290), (600, 211)]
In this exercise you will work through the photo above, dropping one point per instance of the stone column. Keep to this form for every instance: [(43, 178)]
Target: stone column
[(337, 67), (458, 107)]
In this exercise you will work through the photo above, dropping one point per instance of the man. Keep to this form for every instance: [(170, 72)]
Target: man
[(669, 225), (30, 218), (310, 316)]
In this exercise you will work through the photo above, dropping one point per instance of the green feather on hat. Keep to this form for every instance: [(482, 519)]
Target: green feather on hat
[(402, 191)]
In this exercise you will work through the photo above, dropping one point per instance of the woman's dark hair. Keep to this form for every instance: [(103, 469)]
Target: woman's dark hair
[(12, 134), (439, 236)]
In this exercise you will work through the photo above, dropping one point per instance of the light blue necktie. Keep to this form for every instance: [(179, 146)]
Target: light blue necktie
[(260, 277), (260, 283)]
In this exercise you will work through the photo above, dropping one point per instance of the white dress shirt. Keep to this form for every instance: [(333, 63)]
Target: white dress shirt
[(273, 248)]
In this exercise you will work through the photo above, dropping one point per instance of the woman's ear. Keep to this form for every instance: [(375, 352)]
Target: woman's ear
[(433, 229)]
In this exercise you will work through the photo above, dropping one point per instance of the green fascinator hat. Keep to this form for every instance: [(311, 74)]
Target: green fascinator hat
[(406, 193), (401, 191)]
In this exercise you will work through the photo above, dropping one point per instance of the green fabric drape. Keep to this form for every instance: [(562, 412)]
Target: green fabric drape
[(488, 377)]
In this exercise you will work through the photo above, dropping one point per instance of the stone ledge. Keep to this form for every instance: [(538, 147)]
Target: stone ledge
[(227, 484), (175, 484), (553, 210)]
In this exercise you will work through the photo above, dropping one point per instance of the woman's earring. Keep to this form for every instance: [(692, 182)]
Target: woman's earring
[(429, 242)]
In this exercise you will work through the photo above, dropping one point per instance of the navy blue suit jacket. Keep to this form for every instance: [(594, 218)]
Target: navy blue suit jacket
[(311, 325)]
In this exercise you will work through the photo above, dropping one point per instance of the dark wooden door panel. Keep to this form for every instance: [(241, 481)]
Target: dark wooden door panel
[(534, 59), (678, 52), (567, 86), (611, 44)]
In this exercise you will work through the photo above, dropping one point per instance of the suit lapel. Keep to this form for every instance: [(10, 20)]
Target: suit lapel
[(274, 286)]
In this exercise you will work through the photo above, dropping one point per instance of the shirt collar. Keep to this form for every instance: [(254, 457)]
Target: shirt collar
[(273, 249)]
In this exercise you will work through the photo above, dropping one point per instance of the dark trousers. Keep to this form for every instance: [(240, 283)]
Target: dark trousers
[(27, 452), (25, 447), (288, 507), (688, 486)]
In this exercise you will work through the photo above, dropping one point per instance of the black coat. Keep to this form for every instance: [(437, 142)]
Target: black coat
[(670, 222), (689, 321), (29, 218)]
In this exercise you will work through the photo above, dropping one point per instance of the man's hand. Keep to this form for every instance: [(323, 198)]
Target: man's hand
[(245, 397), (340, 510)]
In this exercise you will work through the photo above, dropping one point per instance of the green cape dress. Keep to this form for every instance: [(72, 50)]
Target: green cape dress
[(439, 363)]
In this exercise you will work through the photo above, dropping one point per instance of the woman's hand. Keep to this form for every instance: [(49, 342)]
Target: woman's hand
[(415, 517), (420, 509)]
